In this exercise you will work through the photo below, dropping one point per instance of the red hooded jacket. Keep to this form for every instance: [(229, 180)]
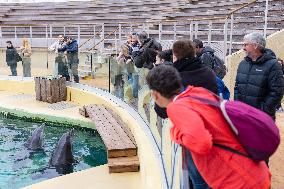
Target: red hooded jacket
[(196, 126)]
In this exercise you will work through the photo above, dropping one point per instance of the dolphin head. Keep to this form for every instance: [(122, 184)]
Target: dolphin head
[(63, 154), (36, 140)]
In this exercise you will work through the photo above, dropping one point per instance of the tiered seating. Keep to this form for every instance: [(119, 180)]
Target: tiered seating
[(135, 13)]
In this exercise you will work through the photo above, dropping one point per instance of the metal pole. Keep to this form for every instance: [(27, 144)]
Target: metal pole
[(31, 35), (46, 36), (160, 31), (147, 29), (131, 28), (196, 30), (225, 38), (93, 75), (64, 30), (119, 34), (175, 31), (102, 36), (109, 74), (79, 33), (15, 32), (231, 34), (265, 19), (94, 35), (1, 35), (210, 33), (190, 30)]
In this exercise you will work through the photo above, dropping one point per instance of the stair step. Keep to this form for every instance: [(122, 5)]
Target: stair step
[(123, 164)]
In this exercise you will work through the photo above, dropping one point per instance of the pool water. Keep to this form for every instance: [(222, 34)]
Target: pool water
[(20, 167)]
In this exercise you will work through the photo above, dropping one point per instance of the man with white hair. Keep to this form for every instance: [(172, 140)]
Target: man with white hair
[(259, 80)]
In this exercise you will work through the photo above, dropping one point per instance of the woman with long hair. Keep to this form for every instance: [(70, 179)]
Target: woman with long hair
[(26, 53)]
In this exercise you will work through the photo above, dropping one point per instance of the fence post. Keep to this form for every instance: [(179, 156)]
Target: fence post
[(210, 33), (196, 30), (131, 28), (102, 37), (119, 35), (46, 36), (1, 36), (147, 29), (31, 35), (265, 19), (225, 38), (94, 35), (231, 34), (190, 30), (50, 32), (175, 31), (160, 31), (79, 34)]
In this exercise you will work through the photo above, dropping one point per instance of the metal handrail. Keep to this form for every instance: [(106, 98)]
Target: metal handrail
[(240, 7), (97, 33), (103, 39)]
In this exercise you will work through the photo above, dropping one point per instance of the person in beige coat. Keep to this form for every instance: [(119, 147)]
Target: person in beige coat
[(26, 53)]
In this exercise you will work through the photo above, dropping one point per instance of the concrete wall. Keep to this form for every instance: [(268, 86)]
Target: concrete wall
[(275, 42)]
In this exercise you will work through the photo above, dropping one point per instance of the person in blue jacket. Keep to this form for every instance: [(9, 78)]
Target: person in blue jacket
[(223, 91), (71, 49)]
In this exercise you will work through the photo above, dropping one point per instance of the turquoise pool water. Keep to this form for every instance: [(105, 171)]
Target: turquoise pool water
[(20, 167)]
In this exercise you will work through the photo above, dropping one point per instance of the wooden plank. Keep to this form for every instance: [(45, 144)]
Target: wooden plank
[(43, 89), (112, 133), (37, 88), (123, 164)]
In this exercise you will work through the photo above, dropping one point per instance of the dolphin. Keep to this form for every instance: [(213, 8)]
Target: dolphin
[(62, 154), (35, 141)]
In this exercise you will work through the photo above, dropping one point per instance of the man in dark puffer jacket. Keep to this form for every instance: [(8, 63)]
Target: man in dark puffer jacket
[(259, 80)]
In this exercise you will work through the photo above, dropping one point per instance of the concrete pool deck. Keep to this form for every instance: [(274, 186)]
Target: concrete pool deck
[(18, 99)]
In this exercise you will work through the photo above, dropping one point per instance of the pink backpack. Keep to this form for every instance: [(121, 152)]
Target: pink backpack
[(255, 130)]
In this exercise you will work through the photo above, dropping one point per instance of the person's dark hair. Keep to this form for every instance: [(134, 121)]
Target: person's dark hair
[(167, 55), (142, 37), (10, 42), (183, 49), (65, 38), (165, 79), (198, 43)]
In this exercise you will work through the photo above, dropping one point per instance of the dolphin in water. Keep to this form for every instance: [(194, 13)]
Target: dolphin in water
[(62, 154), (36, 140)]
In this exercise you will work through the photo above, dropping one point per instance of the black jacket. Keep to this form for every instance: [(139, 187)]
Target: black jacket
[(207, 56), (11, 55), (260, 83), (193, 73), (146, 55)]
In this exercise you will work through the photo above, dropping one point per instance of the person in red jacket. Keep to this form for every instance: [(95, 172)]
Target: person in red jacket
[(197, 126)]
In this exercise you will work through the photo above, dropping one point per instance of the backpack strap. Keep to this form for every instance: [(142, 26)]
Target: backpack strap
[(231, 150)]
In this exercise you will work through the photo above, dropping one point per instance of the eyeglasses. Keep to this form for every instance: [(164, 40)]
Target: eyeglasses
[(247, 44)]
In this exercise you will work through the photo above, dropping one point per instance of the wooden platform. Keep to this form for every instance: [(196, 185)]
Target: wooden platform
[(117, 137)]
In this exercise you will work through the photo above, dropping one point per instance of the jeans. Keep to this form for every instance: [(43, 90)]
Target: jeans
[(135, 85), (26, 67), (13, 68), (119, 86), (197, 180)]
